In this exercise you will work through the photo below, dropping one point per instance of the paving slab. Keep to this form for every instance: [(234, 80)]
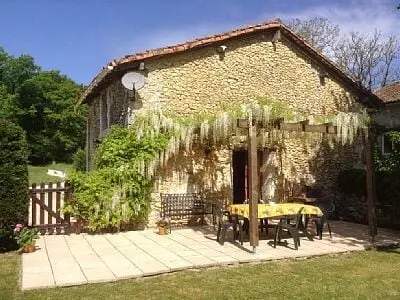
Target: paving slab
[(92, 266), (224, 259), (34, 281), (152, 267), (79, 259)]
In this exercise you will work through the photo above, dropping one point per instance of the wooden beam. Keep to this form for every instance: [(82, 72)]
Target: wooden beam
[(48, 190), (302, 126), (322, 128), (370, 184), (291, 126), (242, 123), (253, 186), (332, 129)]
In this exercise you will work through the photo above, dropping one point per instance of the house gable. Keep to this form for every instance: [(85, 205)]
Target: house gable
[(276, 29), (205, 80)]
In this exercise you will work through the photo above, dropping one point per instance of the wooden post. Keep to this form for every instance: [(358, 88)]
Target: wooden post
[(370, 185), (253, 185)]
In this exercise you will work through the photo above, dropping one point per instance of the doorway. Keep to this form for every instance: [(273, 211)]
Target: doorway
[(239, 166), (240, 175)]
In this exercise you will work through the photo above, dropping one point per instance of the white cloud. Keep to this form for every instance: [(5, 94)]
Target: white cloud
[(362, 16), (354, 15)]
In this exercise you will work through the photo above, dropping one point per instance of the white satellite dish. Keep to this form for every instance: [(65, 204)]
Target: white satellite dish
[(133, 81)]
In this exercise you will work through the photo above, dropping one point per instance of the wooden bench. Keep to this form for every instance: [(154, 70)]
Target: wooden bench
[(183, 208)]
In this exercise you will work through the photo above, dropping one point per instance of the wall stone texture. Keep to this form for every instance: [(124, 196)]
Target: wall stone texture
[(389, 116), (205, 80)]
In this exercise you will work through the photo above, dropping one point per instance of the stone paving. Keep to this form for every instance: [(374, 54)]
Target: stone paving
[(63, 260)]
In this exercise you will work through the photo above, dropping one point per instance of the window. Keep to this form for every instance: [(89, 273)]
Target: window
[(387, 144)]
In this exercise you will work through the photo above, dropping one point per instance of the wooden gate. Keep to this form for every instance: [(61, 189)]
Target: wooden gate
[(46, 199)]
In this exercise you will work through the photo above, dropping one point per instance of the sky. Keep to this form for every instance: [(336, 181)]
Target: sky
[(79, 37)]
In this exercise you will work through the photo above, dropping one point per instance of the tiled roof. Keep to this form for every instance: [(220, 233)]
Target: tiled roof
[(202, 42), (196, 43), (389, 93)]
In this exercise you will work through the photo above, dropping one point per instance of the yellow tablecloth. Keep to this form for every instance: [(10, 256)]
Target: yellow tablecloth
[(275, 210)]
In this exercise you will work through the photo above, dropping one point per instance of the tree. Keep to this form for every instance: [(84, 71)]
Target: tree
[(369, 58), (54, 126), (14, 71), (13, 180), (319, 32), (43, 104)]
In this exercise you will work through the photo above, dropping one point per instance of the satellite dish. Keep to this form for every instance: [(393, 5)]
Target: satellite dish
[(133, 81)]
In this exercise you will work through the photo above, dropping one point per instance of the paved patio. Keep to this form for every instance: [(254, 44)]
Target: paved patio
[(62, 260)]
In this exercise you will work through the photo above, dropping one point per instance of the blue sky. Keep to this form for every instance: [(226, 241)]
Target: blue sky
[(78, 37)]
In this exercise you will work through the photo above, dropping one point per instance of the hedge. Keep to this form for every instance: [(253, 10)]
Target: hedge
[(14, 189)]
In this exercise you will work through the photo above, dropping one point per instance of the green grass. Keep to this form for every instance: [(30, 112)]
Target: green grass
[(38, 174), (10, 265), (361, 275)]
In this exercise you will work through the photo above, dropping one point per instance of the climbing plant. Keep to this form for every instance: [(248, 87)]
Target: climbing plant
[(118, 191), (391, 161), (127, 159)]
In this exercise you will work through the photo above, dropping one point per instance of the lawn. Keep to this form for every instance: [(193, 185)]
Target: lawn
[(38, 174), (360, 275)]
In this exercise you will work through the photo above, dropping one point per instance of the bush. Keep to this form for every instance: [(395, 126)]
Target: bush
[(14, 197), (79, 160), (387, 183), (352, 182)]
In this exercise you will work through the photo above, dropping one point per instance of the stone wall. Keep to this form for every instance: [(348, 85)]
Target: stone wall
[(197, 171), (111, 107), (316, 162), (389, 116), (205, 80)]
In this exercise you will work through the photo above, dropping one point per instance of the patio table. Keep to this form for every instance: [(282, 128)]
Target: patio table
[(266, 211), (274, 210)]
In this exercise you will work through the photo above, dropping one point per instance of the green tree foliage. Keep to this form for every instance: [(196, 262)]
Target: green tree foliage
[(43, 104), (79, 160), (14, 71), (13, 179), (54, 126)]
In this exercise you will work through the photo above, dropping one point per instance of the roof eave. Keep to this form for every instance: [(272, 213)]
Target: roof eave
[(367, 96)]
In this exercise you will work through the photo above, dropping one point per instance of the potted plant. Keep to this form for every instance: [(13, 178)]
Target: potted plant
[(26, 238), (163, 225), (77, 210)]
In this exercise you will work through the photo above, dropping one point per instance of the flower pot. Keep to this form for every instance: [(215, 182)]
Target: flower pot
[(29, 248), (161, 230), (78, 226)]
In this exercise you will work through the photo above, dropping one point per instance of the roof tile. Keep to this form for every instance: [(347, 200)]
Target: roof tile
[(208, 40), (389, 93)]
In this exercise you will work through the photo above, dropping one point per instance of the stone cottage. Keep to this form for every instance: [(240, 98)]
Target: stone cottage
[(389, 115), (264, 61)]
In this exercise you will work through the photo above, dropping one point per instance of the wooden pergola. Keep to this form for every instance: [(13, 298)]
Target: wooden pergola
[(302, 126)]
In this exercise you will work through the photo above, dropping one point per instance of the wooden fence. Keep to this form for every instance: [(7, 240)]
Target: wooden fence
[(46, 199)]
